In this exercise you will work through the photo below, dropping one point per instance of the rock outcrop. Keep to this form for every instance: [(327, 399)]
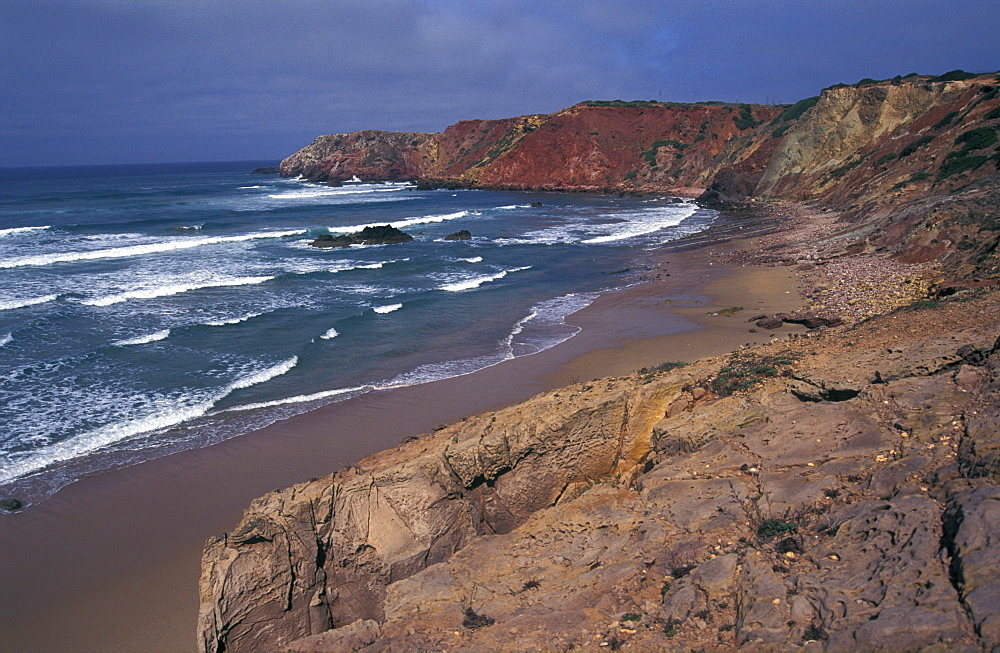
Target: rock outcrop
[(838, 490), (911, 163), (592, 146), (848, 501), (382, 235)]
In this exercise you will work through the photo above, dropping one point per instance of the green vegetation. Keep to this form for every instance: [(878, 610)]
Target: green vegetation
[(993, 114), (473, 620), (814, 633), (650, 372), (650, 155), (796, 110), (745, 119), (951, 76), (944, 122), (744, 371), (963, 160), (631, 616), (772, 527), (648, 103), (977, 139), (621, 103), (919, 176), (780, 131), (957, 163), (916, 145), (837, 173), (886, 158), (954, 76)]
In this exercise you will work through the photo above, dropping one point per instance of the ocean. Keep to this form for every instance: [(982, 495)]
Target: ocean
[(152, 308)]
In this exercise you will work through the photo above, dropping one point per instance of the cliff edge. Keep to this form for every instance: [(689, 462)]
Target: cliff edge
[(837, 490)]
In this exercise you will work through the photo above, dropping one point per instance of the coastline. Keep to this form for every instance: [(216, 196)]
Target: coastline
[(136, 533)]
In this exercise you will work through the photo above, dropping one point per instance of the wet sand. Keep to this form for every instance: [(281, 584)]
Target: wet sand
[(111, 562)]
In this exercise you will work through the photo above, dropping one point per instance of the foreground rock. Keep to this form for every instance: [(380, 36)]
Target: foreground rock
[(848, 502), (383, 235)]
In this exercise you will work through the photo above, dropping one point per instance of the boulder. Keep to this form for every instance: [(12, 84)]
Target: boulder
[(10, 505), (382, 235), (464, 234)]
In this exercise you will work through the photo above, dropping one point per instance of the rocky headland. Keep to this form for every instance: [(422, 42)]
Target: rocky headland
[(834, 490)]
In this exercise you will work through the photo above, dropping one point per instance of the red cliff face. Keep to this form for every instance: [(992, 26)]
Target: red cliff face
[(911, 163), (592, 146)]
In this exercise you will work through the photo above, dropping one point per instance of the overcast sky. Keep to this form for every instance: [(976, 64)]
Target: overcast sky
[(126, 81)]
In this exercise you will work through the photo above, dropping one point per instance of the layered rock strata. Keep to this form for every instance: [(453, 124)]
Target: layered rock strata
[(846, 503)]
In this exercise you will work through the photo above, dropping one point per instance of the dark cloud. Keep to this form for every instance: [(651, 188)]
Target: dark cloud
[(156, 80)]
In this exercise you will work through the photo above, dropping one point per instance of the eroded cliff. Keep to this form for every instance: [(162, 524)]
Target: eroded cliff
[(835, 491), (846, 498), (910, 162), (592, 146)]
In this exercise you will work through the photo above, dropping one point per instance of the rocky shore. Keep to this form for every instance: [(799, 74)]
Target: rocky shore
[(836, 489), (833, 490)]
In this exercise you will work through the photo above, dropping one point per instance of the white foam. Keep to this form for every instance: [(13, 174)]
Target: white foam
[(234, 320), (300, 399), (314, 192), (142, 340), (330, 334), (643, 222), (140, 250), (163, 414), (22, 303), (249, 187), (512, 206), (260, 377), (346, 266), (173, 289), (409, 222), (387, 309), (545, 315), (15, 231), (475, 282), (6, 339), (474, 259)]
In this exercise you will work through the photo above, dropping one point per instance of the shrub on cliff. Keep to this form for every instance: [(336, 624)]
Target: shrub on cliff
[(916, 145), (744, 371), (796, 110), (954, 76), (745, 119), (977, 139)]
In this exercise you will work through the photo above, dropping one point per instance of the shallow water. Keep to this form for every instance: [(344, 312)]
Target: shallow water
[(145, 309)]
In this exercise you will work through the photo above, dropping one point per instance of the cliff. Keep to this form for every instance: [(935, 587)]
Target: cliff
[(911, 162), (848, 497), (592, 146), (837, 490)]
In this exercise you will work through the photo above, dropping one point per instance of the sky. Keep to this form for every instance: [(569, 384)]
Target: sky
[(140, 81)]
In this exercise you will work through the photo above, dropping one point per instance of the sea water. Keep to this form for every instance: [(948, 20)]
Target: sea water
[(147, 309)]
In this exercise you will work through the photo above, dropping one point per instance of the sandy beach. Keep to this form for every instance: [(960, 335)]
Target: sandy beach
[(111, 562)]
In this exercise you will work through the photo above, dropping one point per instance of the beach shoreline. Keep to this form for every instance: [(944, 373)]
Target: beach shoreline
[(111, 562)]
